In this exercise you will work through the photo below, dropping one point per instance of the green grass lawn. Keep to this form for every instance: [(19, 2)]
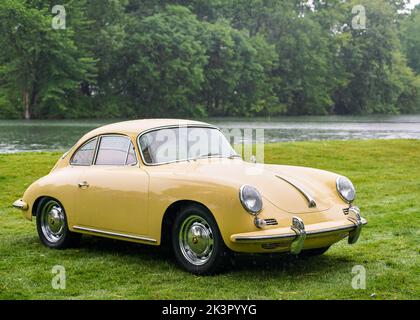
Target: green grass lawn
[(387, 177)]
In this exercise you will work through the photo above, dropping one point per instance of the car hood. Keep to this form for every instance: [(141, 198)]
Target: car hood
[(284, 186)]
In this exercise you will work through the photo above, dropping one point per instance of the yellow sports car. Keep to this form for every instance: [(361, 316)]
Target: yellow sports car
[(180, 182)]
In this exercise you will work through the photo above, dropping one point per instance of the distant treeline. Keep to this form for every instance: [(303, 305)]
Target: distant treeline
[(143, 58)]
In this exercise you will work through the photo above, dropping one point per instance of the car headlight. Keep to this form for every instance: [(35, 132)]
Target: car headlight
[(251, 199), (346, 189)]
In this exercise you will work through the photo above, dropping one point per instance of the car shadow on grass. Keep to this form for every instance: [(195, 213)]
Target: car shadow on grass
[(156, 257), (287, 263), (97, 245)]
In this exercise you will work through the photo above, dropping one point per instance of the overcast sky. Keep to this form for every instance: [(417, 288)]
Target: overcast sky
[(413, 3)]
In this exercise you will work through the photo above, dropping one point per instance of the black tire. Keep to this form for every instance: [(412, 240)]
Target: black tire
[(53, 211), (314, 252), (195, 218)]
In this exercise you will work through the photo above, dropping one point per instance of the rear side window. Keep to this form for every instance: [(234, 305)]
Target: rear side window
[(115, 151), (84, 156)]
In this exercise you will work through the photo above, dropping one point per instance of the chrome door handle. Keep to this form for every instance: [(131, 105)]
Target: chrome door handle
[(83, 184)]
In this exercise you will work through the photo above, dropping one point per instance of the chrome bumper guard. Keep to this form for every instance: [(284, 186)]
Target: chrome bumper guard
[(20, 204), (358, 221), (299, 228)]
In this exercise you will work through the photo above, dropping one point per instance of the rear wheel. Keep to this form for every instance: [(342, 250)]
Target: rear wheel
[(196, 241), (314, 252), (51, 222)]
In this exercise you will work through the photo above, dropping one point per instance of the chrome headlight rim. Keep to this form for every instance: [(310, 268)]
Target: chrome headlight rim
[(339, 191), (243, 201)]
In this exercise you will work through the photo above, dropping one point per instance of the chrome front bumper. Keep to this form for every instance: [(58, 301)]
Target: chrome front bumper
[(299, 234)]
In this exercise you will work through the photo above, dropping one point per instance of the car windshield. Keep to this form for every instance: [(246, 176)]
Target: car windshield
[(184, 143)]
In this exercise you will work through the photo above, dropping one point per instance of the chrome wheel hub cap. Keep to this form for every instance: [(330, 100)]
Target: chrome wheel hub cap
[(52, 221), (196, 240)]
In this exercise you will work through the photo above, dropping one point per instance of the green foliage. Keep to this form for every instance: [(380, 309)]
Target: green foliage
[(306, 74), (410, 34), (138, 58), (368, 59), (237, 74), (406, 86), (42, 66), (164, 62)]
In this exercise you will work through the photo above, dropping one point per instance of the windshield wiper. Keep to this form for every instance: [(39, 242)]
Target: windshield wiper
[(217, 154), (208, 155)]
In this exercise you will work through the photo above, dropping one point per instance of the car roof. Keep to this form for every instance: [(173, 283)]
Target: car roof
[(135, 127)]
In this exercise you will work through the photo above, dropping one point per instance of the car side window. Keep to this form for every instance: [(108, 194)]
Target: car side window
[(84, 156), (115, 151)]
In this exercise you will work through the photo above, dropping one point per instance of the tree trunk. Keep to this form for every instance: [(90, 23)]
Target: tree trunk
[(27, 105)]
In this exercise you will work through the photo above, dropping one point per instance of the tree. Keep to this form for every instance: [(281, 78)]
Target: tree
[(163, 62), (305, 68), (102, 35), (406, 85), (237, 73), (410, 39), (131, 58), (368, 58), (41, 65)]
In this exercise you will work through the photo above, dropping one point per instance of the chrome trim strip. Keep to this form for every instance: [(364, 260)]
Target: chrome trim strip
[(271, 222), (291, 236), (309, 198), (128, 152), (263, 238), (116, 234), (328, 230), (95, 155)]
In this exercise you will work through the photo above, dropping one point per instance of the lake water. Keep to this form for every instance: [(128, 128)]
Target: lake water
[(17, 136)]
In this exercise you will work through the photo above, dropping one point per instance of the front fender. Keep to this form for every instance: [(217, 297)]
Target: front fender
[(222, 201)]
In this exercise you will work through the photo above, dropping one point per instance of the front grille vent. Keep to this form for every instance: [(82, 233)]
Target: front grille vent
[(271, 222)]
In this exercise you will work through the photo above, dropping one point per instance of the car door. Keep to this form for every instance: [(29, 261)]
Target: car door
[(112, 197)]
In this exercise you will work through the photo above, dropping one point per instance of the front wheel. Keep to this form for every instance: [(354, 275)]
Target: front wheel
[(51, 223), (196, 241)]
